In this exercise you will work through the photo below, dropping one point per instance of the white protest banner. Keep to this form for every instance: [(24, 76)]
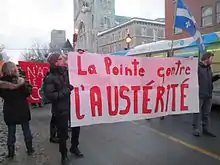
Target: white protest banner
[(109, 89)]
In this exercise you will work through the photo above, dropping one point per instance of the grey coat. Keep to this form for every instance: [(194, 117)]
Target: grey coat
[(206, 80)]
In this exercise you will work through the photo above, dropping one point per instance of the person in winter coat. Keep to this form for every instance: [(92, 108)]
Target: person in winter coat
[(53, 125), (206, 80), (16, 108), (58, 89)]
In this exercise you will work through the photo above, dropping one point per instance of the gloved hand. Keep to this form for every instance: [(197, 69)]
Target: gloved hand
[(66, 91), (71, 87), (215, 77)]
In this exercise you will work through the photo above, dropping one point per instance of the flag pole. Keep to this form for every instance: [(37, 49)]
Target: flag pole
[(173, 28)]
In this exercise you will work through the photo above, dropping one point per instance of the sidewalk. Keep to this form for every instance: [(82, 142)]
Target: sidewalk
[(39, 130), (3, 136), (126, 143)]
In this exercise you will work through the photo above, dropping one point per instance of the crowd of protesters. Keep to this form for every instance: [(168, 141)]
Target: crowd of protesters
[(14, 90), (56, 88)]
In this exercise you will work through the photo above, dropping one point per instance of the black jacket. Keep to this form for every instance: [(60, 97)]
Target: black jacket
[(57, 89), (15, 108), (206, 80)]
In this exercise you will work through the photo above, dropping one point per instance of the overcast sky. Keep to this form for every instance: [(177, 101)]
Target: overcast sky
[(23, 21)]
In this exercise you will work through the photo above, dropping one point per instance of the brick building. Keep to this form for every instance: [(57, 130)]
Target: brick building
[(206, 13)]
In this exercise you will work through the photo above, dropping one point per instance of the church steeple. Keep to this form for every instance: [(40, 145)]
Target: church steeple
[(104, 14), (91, 17)]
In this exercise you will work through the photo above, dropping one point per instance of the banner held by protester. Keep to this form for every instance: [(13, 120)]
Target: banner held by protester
[(109, 89), (35, 73)]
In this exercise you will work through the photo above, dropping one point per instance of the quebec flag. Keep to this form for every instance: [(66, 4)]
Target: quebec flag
[(185, 21)]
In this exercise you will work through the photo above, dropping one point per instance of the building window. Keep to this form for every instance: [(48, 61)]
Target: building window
[(107, 49), (155, 35), (206, 16), (160, 33), (150, 32), (103, 3), (144, 31), (123, 33), (102, 22), (109, 5), (119, 46), (218, 12), (92, 21), (126, 31), (119, 35), (85, 4), (107, 21), (113, 37), (110, 48)]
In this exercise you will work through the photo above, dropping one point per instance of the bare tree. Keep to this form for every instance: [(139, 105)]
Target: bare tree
[(3, 54), (2, 47), (36, 53)]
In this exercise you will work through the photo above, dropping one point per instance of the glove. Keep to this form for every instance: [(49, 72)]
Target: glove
[(66, 91), (71, 87)]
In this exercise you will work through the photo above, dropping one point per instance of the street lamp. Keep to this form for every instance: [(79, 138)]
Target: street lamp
[(75, 38), (128, 41), (76, 31)]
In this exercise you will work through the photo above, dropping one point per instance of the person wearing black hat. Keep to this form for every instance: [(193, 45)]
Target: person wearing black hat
[(57, 89)]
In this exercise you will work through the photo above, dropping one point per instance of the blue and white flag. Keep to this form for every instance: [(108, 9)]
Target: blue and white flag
[(185, 21)]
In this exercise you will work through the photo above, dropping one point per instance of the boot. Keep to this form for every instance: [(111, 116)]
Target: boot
[(64, 159), (196, 132), (53, 134), (53, 137), (76, 151), (29, 147), (11, 152), (54, 140), (40, 105), (162, 118)]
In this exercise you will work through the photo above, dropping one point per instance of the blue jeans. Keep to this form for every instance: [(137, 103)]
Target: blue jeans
[(26, 132)]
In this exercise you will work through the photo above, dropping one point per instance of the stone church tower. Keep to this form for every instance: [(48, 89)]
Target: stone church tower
[(91, 17)]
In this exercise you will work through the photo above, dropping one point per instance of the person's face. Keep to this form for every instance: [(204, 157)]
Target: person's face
[(209, 60), (15, 71), (61, 61), (65, 56)]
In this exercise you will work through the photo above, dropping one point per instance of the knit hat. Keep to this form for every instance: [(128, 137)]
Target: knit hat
[(53, 58)]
